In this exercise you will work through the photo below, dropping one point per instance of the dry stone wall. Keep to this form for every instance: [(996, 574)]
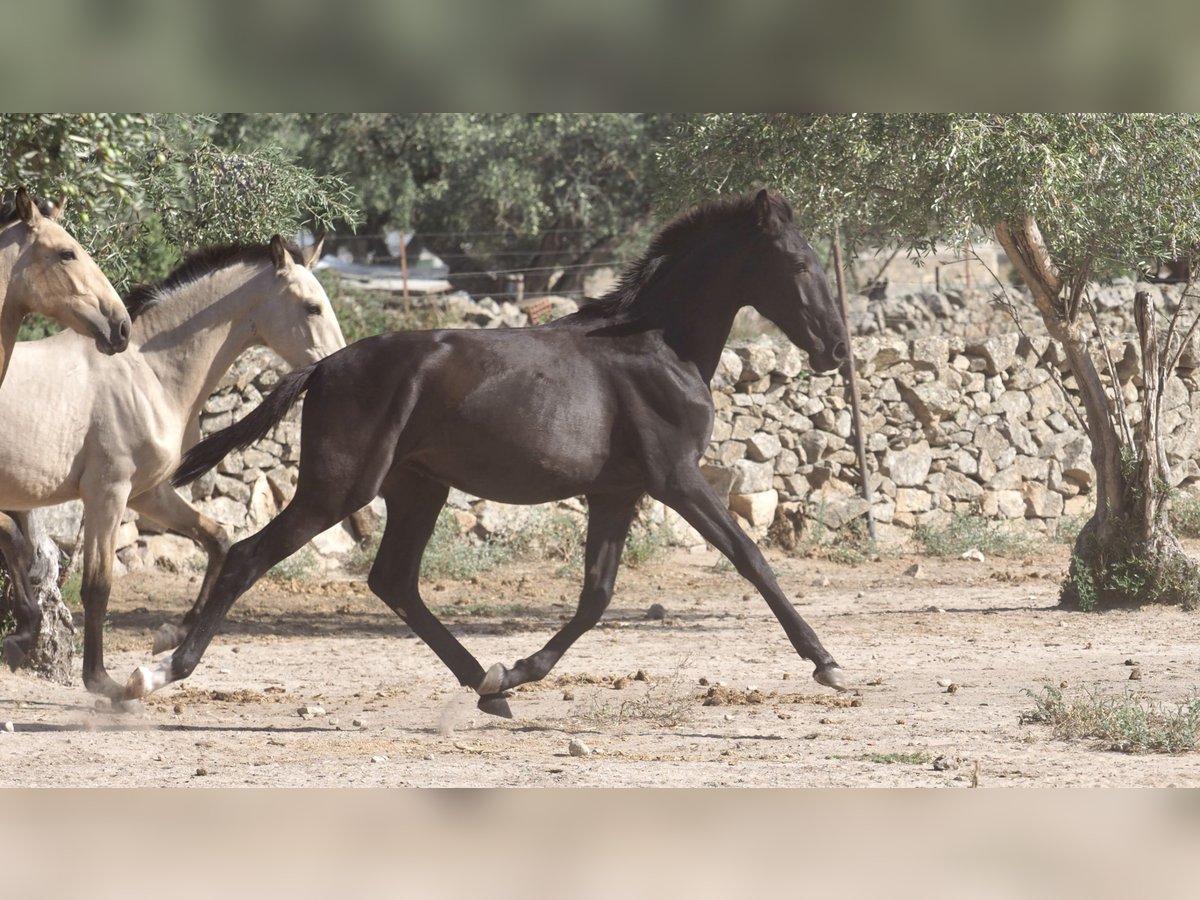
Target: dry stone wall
[(954, 423)]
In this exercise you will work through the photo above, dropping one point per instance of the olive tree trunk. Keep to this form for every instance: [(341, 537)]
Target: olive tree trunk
[(53, 654), (1126, 554)]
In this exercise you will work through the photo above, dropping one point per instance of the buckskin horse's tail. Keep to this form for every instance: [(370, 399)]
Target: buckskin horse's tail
[(246, 431)]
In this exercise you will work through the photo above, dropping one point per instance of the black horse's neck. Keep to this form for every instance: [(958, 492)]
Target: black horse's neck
[(695, 302)]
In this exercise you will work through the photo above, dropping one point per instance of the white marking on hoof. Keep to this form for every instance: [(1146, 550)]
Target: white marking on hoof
[(492, 680), (832, 677), (146, 680)]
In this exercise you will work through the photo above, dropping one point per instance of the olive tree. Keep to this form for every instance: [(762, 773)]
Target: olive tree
[(1072, 198)]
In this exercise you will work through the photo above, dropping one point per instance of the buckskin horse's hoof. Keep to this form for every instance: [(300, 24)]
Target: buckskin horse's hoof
[(495, 705), (832, 676)]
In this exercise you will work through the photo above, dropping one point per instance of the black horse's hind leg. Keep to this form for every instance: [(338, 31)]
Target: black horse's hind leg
[(413, 504), (245, 563), (609, 519), (19, 556), (690, 495)]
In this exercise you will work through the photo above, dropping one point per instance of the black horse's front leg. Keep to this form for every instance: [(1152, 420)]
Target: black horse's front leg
[(690, 495)]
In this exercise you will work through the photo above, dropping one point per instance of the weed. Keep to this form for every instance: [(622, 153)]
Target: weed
[(299, 565), (917, 758), (1154, 578), (1130, 723), (1068, 529), (71, 590), (967, 531), (850, 545), (453, 555), (1185, 515), (664, 703), (643, 543)]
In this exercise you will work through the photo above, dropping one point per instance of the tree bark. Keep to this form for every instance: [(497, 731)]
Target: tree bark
[(53, 654), (1126, 553)]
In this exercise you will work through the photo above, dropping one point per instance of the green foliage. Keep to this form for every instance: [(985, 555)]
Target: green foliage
[(850, 545), (363, 313), (450, 554), (488, 192), (1109, 191), (297, 567), (1097, 581), (967, 531), (644, 543), (143, 188), (1130, 723), (1185, 515)]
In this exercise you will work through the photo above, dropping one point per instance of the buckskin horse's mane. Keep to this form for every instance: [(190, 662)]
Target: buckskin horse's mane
[(668, 243), (195, 266)]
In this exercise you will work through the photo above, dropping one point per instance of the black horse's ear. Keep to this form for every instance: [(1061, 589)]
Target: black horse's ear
[(279, 254), (771, 211)]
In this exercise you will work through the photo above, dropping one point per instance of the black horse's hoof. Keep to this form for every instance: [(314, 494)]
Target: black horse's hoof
[(495, 705), (832, 676)]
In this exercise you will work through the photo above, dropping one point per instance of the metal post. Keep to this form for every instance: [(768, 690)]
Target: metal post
[(851, 376)]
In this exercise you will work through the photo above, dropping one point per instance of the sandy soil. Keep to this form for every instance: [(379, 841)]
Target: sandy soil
[(941, 663)]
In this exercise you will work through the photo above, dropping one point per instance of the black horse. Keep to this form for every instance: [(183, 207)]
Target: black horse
[(612, 403)]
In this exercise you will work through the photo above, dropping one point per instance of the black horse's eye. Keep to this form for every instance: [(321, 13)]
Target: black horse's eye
[(66, 255), (800, 267)]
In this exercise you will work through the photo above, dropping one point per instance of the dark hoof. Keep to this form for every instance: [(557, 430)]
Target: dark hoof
[(495, 705), (14, 653), (832, 676), (105, 686)]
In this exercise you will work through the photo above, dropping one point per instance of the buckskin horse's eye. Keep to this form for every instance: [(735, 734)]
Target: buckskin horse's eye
[(66, 255)]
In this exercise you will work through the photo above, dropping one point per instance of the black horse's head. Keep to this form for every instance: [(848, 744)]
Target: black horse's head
[(791, 289)]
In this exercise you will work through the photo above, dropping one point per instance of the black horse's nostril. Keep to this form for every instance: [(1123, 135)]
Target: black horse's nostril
[(840, 353)]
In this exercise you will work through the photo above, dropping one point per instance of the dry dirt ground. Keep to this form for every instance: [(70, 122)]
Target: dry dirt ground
[(941, 663)]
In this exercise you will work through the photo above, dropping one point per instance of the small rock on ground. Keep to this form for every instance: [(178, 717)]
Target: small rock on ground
[(578, 748)]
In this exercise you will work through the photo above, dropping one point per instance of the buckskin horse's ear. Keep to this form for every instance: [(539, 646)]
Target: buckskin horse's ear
[(27, 209), (279, 254), (771, 211), (312, 255)]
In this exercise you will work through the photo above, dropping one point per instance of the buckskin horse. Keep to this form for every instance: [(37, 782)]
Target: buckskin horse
[(119, 425), (44, 270), (612, 402)]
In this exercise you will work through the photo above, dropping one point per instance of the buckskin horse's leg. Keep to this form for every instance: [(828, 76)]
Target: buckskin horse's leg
[(688, 493), (413, 504), (609, 519), (19, 556), (102, 511), (164, 506)]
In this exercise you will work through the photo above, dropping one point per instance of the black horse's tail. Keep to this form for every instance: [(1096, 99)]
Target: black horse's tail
[(243, 433)]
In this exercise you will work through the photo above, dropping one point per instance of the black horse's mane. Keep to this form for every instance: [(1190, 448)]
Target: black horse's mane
[(673, 238), (195, 266)]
